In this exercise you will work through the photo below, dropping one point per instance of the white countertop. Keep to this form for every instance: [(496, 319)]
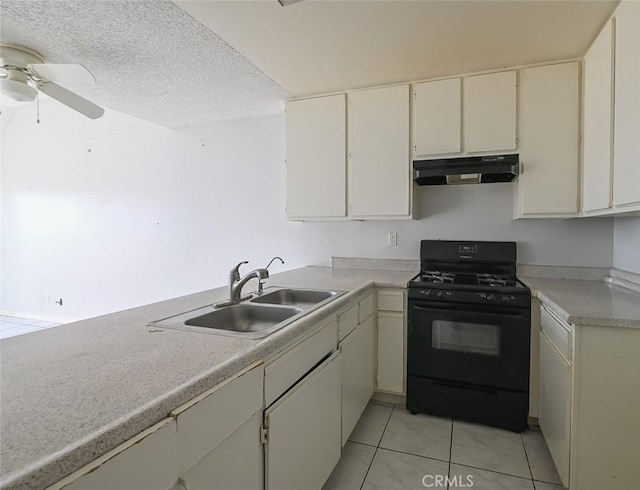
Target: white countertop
[(595, 303), (71, 393)]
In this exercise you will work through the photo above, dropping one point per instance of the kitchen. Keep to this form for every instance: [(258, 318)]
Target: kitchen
[(87, 202)]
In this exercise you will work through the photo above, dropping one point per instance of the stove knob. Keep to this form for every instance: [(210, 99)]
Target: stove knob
[(490, 297)]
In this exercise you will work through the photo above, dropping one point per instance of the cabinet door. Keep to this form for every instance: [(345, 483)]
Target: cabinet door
[(391, 352), (357, 374), (626, 165), (236, 463), (207, 420), (128, 465), (489, 108), (379, 166), (303, 430), (555, 405), (548, 184), (436, 117), (316, 157), (598, 84)]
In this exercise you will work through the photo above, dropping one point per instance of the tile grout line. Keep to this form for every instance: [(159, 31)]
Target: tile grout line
[(526, 455), (450, 451), (413, 454), (377, 447), (496, 472)]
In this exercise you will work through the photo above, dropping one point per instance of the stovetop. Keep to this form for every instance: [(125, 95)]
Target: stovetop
[(476, 267), (430, 278)]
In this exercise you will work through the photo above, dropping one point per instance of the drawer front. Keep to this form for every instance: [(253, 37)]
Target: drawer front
[(558, 333), (365, 307), (391, 300), (347, 321), (285, 371), (207, 420)]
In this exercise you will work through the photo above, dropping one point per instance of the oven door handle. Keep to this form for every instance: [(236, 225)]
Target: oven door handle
[(457, 309)]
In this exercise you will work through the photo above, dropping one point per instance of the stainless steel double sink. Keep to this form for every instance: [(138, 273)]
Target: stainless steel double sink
[(255, 317)]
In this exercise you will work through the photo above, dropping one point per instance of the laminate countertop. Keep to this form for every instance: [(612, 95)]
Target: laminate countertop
[(71, 393), (595, 303)]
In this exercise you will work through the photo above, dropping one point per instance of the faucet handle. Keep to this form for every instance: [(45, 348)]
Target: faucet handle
[(234, 275)]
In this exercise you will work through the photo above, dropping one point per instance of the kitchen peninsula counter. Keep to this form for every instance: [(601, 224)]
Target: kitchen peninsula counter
[(71, 393)]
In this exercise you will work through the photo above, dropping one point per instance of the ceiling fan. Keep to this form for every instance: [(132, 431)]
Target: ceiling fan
[(23, 73)]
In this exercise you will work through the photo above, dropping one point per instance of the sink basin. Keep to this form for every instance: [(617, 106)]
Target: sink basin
[(295, 297), (243, 318), (251, 319)]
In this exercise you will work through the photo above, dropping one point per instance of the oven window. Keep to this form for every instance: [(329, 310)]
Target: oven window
[(476, 338)]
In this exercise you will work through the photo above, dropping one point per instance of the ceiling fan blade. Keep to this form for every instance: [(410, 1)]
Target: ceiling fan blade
[(286, 3), (68, 98), (61, 73)]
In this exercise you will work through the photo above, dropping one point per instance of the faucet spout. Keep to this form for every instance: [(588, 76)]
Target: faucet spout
[(271, 261)]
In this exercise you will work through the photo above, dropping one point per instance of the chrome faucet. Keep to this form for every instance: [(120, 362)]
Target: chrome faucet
[(264, 274), (236, 283)]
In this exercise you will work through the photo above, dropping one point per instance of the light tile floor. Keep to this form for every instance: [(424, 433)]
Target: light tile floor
[(391, 449), (10, 326)]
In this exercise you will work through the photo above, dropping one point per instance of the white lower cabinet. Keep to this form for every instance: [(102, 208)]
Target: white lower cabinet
[(236, 463), (391, 352), (128, 465), (303, 430), (391, 334), (555, 405), (358, 352), (589, 402), (219, 434)]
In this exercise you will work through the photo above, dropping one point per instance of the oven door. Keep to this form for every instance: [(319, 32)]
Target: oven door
[(475, 344)]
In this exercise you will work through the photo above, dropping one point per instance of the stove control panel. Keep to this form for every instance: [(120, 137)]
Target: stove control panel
[(470, 297), (497, 298)]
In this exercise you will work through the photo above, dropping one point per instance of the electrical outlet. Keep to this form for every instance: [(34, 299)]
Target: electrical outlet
[(393, 239)]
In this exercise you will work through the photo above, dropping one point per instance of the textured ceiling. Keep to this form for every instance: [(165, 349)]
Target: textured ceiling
[(317, 46), (189, 62), (150, 59)]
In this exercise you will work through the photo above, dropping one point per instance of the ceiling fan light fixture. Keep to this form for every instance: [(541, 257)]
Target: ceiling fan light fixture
[(17, 92)]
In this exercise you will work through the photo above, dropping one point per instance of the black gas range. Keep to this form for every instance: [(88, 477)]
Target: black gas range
[(469, 334)]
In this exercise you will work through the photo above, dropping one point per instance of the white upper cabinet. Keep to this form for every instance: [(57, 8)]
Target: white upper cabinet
[(626, 146), (316, 157), (436, 117), (379, 166), (548, 182), (597, 129), (489, 112)]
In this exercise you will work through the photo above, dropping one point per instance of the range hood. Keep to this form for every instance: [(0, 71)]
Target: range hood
[(466, 170)]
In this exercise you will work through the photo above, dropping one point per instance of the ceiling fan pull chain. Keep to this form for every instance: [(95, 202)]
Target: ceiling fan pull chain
[(38, 108)]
